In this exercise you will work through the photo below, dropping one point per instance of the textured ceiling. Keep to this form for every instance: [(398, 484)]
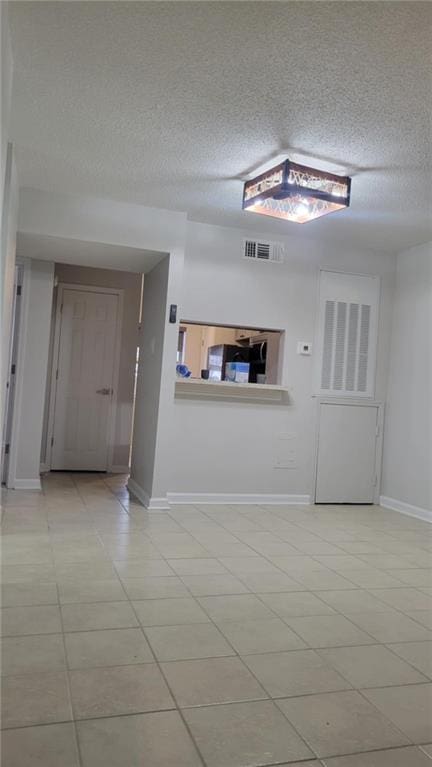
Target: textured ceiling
[(170, 104)]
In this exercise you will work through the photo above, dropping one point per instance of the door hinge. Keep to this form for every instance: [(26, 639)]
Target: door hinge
[(13, 370), (7, 448), (61, 308), (52, 441), (19, 288), (57, 374)]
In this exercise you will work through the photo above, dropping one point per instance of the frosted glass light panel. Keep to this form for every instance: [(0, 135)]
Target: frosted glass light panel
[(347, 334), (296, 193)]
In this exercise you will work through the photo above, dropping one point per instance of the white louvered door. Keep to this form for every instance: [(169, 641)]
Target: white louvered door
[(347, 334)]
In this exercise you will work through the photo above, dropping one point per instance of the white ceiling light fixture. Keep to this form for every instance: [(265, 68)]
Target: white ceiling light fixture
[(297, 193)]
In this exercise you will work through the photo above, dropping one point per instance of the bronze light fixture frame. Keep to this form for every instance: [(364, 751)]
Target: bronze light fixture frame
[(297, 193)]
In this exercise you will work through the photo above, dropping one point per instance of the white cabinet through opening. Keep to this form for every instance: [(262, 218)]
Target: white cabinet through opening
[(347, 453), (84, 378)]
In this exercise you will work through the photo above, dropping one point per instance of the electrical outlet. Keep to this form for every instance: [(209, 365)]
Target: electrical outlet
[(290, 462), (286, 454)]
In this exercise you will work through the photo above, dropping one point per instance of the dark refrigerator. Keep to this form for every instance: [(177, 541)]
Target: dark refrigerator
[(218, 356)]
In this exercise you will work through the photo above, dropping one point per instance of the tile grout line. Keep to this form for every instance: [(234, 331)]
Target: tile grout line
[(163, 676), (158, 665), (237, 655), (196, 600), (314, 592), (77, 740), (69, 688), (175, 699)]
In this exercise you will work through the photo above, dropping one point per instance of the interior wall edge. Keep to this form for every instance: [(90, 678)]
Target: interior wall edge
[(31, 376), (407, 450), (151, 503)]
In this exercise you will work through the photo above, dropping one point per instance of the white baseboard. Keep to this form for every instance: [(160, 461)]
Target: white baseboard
[(27, 484), (239, 498), (405, 508), (44, 467), (150, 503), (119, 469), (158, 504)]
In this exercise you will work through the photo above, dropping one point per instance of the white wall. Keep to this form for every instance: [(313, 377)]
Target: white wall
[(165, 447), (130, 283), (6, 89), (211, 447), (96, 220), (407, 457), (148, 380), (7, 272), (232, 447), (31, 374), (153, 421), (8, 204)]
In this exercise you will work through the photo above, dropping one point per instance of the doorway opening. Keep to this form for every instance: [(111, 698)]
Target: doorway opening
[(92, 370)]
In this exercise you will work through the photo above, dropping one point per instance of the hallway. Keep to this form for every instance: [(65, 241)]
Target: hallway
[(212, 635)]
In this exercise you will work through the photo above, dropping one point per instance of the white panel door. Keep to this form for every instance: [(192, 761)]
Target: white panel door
[(85, 374), (346, 465)]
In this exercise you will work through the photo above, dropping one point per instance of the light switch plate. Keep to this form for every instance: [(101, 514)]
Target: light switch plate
[(304, 347)]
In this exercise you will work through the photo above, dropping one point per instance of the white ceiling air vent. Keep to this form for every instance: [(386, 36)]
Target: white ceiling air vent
[(263, 251)]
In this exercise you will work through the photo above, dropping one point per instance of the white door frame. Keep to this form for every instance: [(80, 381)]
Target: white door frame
[(25, 263), (13, 342), (379, 441), (62, 286)]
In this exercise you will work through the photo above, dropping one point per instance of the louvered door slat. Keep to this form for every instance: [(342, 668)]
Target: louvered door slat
[(351, 364), (363, 348), (347, 334)]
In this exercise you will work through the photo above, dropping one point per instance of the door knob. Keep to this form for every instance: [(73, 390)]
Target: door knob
[(105, 392)]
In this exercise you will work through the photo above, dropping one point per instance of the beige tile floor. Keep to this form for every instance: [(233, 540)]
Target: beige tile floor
[(239, 636)]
